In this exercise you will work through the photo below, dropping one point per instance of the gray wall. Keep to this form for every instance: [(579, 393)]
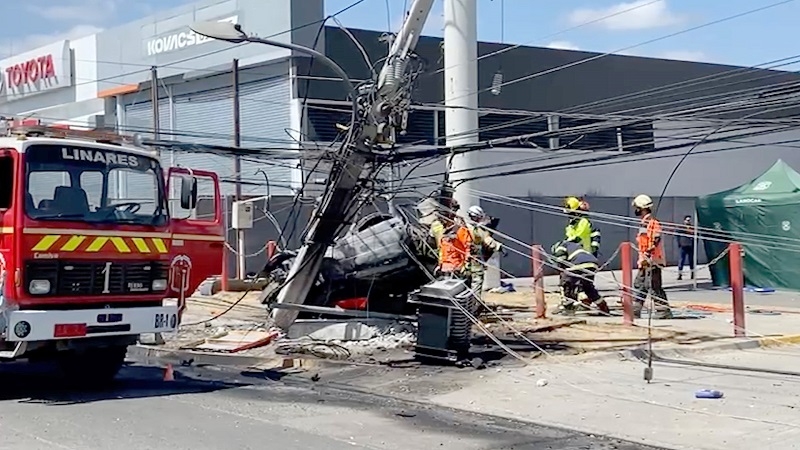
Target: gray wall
[(123, 56), (546, 226), (709, 168), (523, 224)]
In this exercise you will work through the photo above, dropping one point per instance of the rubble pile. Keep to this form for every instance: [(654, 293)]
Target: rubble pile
[(399, 336)]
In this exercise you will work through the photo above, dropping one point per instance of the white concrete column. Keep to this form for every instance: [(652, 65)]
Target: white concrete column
[(461, 92)]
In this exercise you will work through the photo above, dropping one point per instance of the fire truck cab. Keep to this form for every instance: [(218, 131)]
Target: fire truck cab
[(92, 251)]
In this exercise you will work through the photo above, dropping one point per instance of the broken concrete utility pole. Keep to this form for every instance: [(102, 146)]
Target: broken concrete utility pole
[(461, 93), (373, 125)]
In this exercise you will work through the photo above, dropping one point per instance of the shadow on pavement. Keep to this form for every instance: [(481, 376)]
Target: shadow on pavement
[(41, 383)]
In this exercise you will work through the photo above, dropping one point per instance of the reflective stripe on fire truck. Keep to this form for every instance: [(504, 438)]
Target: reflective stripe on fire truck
[(80, 243)]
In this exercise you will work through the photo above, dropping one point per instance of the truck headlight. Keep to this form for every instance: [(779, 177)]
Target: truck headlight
[(159, 285), (39, 287)]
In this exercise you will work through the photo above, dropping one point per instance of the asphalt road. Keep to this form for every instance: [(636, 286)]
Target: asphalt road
[(208, 408)]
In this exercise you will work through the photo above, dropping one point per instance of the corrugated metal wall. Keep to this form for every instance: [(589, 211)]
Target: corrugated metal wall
[(201, 111), (266, 118)]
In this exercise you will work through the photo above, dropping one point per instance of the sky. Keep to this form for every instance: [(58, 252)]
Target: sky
[(749, 40)]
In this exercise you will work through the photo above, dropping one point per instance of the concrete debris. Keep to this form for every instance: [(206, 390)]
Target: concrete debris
[(399, 336), (151, 339), (339, 329)]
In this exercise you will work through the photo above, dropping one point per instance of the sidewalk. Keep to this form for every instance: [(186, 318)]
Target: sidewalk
[(610, 397)]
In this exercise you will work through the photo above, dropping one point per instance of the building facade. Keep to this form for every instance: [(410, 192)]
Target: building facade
[(195, 98), (56, 83), (288, 102)]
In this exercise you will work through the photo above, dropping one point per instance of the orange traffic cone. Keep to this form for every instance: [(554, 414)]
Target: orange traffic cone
[(168, 373)]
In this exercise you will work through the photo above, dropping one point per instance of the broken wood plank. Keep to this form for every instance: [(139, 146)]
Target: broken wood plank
[(236, 341), (544, 327)]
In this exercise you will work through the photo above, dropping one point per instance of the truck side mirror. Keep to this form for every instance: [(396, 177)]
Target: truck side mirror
[(188, 192)]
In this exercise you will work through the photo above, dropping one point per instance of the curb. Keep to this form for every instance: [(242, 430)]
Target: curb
[(182, 357), (632, 354), (146, 352), (788, 339)]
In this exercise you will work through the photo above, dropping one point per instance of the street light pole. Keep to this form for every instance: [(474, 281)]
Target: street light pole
[(226, 31)]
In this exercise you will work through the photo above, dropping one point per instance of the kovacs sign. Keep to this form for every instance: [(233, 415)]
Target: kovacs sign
[(40, 70), (179, 40)]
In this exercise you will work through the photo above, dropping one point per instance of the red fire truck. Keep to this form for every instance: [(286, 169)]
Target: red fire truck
[(93, 252)]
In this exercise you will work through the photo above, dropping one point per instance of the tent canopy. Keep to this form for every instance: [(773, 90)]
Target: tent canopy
[(764, 215)]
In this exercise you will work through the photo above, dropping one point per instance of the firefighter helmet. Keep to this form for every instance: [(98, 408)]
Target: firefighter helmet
[(643, 201), (572, 203), (475, 212)]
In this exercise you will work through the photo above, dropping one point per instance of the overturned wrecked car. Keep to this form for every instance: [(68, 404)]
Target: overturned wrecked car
[(382, 258)]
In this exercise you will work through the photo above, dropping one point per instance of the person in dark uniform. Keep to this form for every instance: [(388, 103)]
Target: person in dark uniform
[(578, 268)]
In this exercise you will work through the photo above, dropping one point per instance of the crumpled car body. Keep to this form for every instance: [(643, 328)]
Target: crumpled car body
[(382, 258)]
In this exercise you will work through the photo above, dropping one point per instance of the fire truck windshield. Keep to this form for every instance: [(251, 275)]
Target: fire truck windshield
[(86, 184)]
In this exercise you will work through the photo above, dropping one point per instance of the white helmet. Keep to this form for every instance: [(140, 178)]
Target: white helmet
[(643, 201), (476, 212)]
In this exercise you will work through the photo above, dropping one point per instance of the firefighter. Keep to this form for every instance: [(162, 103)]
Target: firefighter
[(578, 267), (483, 247), (580, 229), (453, 242), (651, 261)]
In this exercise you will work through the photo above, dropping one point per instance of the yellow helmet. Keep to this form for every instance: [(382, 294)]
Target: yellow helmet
[(572, 203)]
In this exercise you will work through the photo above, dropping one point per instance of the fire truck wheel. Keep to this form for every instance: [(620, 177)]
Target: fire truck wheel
[(93, 367)]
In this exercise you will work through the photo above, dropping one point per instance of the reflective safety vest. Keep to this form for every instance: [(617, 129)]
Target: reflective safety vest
[(574, 257), (581, 231), (454, 244), (649, 240)]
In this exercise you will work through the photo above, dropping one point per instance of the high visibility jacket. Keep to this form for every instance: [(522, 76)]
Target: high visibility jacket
[(482, 243), (454, 245), (649, 241), (581, 231), (572, 257)]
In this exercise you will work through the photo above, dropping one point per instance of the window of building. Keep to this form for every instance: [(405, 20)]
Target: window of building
[(638, 137), (588, 134), (498, 126), (322, 122)]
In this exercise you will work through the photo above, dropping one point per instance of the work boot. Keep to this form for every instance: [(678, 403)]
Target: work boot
[(566, 309), (637, 309), (602, 306), (662, 313)]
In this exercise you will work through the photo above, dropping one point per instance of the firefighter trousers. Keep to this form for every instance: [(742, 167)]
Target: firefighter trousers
[(651, 284), (572, 282)]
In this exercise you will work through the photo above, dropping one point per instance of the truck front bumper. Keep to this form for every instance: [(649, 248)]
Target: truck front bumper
[(36, 325)]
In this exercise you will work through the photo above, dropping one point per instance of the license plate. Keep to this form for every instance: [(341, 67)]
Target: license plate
[(165, 321)]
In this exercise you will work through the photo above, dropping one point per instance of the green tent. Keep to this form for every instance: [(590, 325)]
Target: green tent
[(766, 206)]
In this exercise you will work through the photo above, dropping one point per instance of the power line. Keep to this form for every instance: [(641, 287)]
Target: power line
[(630, 47)]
